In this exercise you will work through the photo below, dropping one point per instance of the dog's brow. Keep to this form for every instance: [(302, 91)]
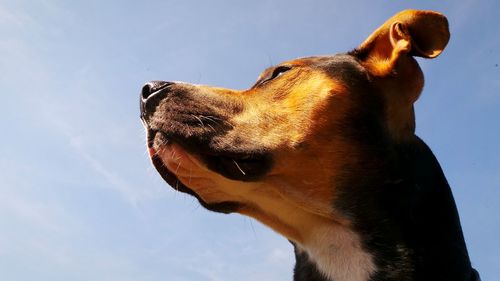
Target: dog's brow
[(265, 73), (269, 71)]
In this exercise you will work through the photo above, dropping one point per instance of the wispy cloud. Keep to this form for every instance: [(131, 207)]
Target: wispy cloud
[(115, 181), (13, 18)]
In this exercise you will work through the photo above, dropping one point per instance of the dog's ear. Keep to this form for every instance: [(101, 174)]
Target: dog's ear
[(408, 33), (387, 55)]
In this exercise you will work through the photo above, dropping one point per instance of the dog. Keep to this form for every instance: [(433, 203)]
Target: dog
[(323, 151)]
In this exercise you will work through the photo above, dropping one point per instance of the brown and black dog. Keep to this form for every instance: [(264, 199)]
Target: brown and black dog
[(323, 150)]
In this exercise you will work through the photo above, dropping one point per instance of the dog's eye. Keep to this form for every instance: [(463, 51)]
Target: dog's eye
[(277, 72)]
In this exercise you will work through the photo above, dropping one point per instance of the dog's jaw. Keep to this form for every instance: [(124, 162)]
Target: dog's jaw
[(336, 250), (191, 172)]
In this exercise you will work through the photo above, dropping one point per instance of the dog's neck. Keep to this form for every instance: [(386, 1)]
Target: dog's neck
[(406, 229), (337, 253)]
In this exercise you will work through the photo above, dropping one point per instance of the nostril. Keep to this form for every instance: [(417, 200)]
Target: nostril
[(151, 87), (146, 91)]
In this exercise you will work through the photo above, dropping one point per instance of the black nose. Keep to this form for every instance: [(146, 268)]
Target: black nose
[(151, 95), (152, 87)]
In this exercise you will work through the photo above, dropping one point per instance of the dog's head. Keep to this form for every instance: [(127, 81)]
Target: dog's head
[(284, 149)]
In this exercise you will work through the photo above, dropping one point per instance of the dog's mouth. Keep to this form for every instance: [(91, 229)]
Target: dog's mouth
[(241, 166)]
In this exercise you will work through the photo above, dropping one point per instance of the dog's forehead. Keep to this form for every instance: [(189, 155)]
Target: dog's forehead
[(342, 67), (335, 63)]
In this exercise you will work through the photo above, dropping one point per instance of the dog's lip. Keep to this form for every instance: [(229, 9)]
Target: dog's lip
[(162, 169), (174, 147), (193, 150), (151, 152), (234, 165), (173, 155)]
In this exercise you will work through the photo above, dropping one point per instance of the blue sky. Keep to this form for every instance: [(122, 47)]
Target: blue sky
[(78, 197)]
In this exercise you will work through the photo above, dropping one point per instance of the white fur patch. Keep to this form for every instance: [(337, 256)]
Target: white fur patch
[(338, 253)]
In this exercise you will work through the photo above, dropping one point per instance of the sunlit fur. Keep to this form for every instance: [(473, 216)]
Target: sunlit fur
[(323, 151)]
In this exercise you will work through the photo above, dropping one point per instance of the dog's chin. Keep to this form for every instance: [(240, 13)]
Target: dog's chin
[(172, 179)]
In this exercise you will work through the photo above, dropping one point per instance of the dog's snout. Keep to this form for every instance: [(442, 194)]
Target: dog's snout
[(151, 95)]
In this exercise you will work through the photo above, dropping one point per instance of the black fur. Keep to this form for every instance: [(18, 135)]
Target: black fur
[(397, 196)]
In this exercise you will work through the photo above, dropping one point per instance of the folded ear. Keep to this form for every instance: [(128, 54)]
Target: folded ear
[(408, 33)]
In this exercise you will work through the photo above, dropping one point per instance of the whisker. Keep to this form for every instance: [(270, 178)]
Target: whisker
[(178, 165), (199, 119), (190, 174), (213, 129), (209, 118), (253, 229), (239, 168), (172, 154), (215, 119)]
